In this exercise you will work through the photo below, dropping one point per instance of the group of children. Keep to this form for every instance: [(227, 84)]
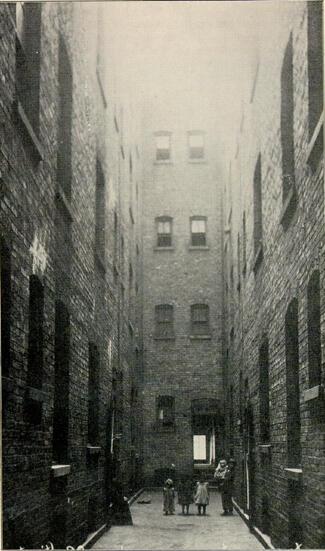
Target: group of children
[(189, 493)]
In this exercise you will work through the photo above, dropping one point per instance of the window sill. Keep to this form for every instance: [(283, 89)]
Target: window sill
[(60, 470), (258, 258), (93, 450), (289, 207), (164, 248), (29, 131), (315, 147), (35, 394), (64, 201), (293, 474), (198, 161), (314, 393), (198, 248), (200, 337), (158, 427), (167, 162), (100, 261), (164, 338)]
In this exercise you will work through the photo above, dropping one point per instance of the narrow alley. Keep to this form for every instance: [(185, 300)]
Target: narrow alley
[(153, 530)]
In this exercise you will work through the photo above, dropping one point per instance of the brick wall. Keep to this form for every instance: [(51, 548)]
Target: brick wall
[(256, 309), (35, 228)]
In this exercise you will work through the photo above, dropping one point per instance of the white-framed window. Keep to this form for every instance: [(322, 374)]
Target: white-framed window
[(164, 231), (198, 231), (163, 146)]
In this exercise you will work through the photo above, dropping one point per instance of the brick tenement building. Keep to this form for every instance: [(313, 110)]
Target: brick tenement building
[(70, 249), (182, 288), (274, 282)]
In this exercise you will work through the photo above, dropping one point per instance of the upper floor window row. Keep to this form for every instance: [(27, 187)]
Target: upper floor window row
[(198, 231), (195, 146)]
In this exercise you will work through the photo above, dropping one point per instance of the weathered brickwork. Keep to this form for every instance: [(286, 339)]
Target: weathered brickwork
[(53, 237), (184, 367), (257, 298)]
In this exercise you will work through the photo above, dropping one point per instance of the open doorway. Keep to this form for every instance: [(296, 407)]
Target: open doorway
[(200, 448)]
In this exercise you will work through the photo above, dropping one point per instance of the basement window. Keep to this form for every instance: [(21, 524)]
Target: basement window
[(166, 411)]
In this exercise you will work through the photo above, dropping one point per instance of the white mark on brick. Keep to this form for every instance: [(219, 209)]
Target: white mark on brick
[(38, 252)]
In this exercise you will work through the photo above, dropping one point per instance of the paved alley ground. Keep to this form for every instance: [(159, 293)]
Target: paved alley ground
[(153, 530)]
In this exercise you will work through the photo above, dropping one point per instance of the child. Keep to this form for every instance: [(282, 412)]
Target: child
[(202, 496), (185, 494), (169, 496), (220, 472)]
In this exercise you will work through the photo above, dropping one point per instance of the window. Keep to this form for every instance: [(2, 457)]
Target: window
[(315, 63), (238, 261), (287, 122), (130, 167), (35, 334), (64, 170), (163, 140), (314, 339), (5, 308), (292, 384), (200, 319), (28, 46), (258, 223), (198, 231), (166, 411), (164, 231), (196, 145), (61, 383), (115, 234), (130, 275), (164, 321), (93, 394), (100, 211), (264, 392)]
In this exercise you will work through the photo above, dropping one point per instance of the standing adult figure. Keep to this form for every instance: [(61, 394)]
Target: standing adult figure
[(227, 488)]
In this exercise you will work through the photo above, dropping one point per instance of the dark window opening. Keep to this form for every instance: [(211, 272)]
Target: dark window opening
[(164, 314), (198, 232), (314, 333), (266, 524), (287, 122), (28, 46), (164, 232), (100, 212), (35, 334), (241, 400), (264, 392), (115, 234), (64, 170), (6, 305), (258, 222), (200, 319), (238, 262), (93, 394), (92, 514), (292, 384), (61, 384), (315, 63), (166, 410)]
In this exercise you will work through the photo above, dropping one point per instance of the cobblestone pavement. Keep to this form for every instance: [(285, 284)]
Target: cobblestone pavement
[(153, 530)]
